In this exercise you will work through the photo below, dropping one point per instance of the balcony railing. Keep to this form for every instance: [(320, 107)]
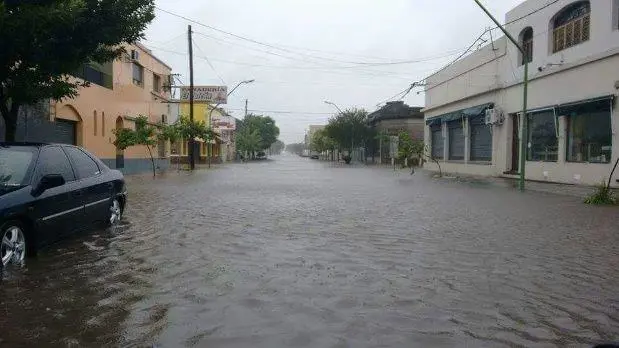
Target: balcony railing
[(92, 75)]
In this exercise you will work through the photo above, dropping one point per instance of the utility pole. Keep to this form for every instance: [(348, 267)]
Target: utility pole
[(246, 102), (192, 160), (524, 121)]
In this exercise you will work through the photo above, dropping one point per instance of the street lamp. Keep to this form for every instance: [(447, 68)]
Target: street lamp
[(333, 104), (352, 139), (210, 114)]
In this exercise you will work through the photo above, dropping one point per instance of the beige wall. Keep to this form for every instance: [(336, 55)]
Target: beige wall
[(112, 105)]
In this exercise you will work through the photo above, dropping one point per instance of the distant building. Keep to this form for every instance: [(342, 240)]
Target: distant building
[(473, 107), (133, 85), (392, 119)]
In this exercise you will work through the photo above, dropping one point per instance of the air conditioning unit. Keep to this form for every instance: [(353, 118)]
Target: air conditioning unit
[(494, 117), (135, 55)]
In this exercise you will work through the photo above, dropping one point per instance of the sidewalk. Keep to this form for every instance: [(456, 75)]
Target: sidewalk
[(580, 191)]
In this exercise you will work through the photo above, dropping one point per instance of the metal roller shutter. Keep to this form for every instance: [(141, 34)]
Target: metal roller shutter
[(481, 139), (63, 132), (438, 144), (456, 140)]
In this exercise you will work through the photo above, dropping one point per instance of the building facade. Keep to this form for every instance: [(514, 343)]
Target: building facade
[(135, 84), (392, 119), (473, 107)]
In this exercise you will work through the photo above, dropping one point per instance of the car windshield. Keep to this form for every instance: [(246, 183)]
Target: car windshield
[(14, 164)]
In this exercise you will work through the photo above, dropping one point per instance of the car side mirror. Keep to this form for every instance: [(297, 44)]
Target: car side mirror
[(49, 181)]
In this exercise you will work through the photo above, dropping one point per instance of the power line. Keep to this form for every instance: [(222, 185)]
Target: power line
[(529, 14), (280, 48), (329, 70), (209, 62)]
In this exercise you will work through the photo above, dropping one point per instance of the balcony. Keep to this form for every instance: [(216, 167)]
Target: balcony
[(89, 73)]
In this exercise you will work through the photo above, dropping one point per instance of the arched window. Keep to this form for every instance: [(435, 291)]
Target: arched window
[(571, 26), (526, 40)]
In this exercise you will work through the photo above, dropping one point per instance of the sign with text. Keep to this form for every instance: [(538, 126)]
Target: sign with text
[(206, 94), (223, 122)]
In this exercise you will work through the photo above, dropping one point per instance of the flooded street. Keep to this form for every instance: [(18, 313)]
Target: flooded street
[(299, 253)]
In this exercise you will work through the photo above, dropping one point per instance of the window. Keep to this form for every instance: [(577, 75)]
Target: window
[(53, 160), (481, 139), (571, 26), (15, 164), (438, 144), (156, 83), (456, 140), (543, 144), (616, 14), (102, 123), (138, 74), (526, 40), (589, 134), (94, 118), (85, 166)]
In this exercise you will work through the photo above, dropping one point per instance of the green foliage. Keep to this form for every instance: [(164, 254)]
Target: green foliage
[(409, 147), (350, 129), (248, 141), (44, 42), (144, 134), (256, 133), (603, 195), (186, 129)]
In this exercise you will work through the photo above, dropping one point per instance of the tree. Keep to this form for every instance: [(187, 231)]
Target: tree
[(349, 129), (409, 148), (252, 126), (42, 43), (248, 141), (144, 134)]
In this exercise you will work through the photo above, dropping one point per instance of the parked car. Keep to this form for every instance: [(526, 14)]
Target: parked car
[(48, 192)]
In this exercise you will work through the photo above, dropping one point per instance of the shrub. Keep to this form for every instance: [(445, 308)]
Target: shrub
[(603, 195)]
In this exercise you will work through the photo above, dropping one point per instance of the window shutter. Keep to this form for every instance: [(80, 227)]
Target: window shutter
[(586, 24), (569, 34), (577, 32)]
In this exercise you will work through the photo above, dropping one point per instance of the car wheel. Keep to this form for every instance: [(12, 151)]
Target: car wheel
[(116, 212), (13, 243)]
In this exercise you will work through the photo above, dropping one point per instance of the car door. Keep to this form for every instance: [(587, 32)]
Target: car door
[(56, 210), (97, 191)]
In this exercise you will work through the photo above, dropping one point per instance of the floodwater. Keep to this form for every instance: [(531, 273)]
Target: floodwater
[(300, 253)]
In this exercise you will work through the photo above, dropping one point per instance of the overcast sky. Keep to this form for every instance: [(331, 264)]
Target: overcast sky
[(316, 50)]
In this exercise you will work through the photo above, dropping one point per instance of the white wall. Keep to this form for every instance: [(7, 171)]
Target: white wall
[(590, 69)]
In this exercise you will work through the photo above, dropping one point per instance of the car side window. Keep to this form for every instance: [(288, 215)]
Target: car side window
[(85, 167), (52, 160)]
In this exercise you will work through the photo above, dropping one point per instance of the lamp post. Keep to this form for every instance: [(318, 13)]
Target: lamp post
[(210, 114), (523, 130)]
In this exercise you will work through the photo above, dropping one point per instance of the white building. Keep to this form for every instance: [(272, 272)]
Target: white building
[(573, 124)]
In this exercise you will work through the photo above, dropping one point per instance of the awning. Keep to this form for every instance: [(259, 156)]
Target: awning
[(585, 106), (456, 115)]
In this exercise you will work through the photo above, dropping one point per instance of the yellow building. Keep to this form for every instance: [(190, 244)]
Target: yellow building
[(136, 84), (201, 113)]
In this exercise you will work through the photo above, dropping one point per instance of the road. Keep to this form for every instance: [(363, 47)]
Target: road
[(300, 253)]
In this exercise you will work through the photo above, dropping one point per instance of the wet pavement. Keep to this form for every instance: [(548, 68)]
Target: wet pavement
[(301, 253)]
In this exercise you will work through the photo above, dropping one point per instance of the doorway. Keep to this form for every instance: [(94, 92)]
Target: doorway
[(515, 169)]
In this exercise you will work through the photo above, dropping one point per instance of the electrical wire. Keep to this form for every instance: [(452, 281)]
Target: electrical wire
[(280, 48), (209, 63)]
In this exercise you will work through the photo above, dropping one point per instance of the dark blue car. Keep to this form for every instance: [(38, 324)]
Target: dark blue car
[(48, 192)]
